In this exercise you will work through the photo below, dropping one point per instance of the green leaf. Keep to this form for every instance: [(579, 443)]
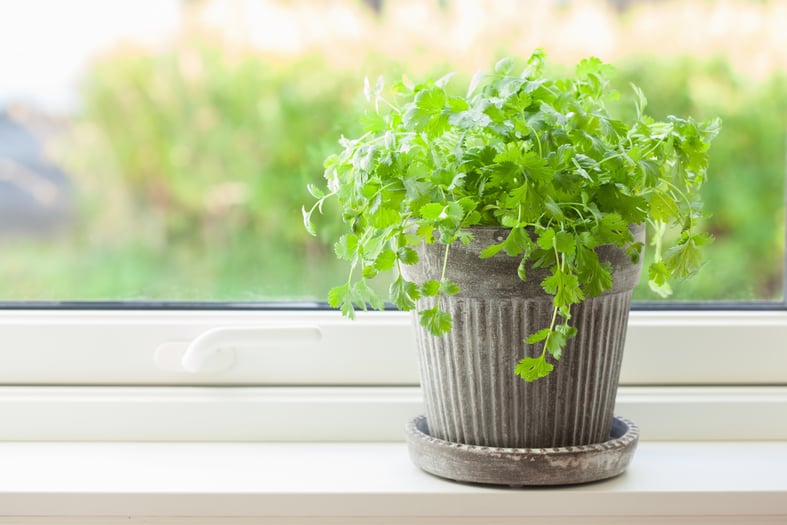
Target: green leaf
[(612, 198), (315, 192), (436, 321), (564, 286), (491, 251), (539, 336), (369, 271), (346, 247), (307, 220), (407, 255), (465, 237), (553, 209), (521, 270), (341, 297), (448, 287), (595, 276), (337, 295), (404, 293), (518, 243), (685, 258), (385, 217), (433, 211), (470, 119), (565, 244), (504, 66), (634, 251), (641, 102), (611, 229), (450, 212), (658, 279), (385, 261), (537, 167), (591, 66), (533, 368), (373, 246), (558, 339), (426, 232), (363, 295), (430, 288), (651, 171), (535, 64), (546, 239), (426, 112), (663, 207)]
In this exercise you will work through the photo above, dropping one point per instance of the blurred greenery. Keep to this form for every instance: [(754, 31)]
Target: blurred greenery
[(191, 167), (745, 192)]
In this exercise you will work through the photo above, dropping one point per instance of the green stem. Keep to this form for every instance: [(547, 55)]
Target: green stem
[(442, 277), (554, 309), (377, 107), (685, 198), (658, 236), (551, 329), (445, 262), (538, 141)]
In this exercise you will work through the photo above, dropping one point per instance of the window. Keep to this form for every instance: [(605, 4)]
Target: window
[(152, 170)]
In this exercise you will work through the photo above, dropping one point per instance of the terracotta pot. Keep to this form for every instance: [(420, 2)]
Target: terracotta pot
[(471, 392)]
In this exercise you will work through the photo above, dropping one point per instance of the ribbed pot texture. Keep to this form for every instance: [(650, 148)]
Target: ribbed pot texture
[(471, 392)]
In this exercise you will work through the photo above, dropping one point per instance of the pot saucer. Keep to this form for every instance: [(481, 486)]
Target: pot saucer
[(523, 466)]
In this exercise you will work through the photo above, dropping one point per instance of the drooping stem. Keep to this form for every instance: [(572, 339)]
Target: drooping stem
[(555, 308), (551, 330), (445, 262), (442, 277)]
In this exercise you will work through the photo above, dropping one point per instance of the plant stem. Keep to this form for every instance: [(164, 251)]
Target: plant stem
[(551, 329), (442, 277), (554, 309), (445, 262)]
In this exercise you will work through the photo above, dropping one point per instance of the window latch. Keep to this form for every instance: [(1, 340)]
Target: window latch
[(215, 350)]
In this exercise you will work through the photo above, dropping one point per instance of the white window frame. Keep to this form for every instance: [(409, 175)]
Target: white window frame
[(108, 375)]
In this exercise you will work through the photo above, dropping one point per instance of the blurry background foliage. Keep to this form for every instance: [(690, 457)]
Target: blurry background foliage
[(190, 162)]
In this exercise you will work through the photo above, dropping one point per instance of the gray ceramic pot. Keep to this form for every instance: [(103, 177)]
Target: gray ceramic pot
[(471, 392)]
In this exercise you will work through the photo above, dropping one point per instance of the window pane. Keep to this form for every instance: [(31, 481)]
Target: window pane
[(164, 154)]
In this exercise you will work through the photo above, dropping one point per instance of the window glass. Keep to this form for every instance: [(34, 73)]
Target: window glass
[(160, 151)]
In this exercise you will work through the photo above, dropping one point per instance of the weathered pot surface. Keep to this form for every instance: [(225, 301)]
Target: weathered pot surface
[(523, 467), (473, 396)]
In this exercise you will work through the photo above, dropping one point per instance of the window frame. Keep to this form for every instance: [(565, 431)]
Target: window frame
[(118, 346), (92, 375)]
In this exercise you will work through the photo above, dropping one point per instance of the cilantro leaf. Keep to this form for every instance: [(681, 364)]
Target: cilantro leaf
[(430, 288), (686, 258), (346, 247), (407, 255), (448, 287), (385, 261), (404, 294), (539, 336), (426, 112), (532, 368), (595, 276), (563, 286), (436, 321), (658, 275)]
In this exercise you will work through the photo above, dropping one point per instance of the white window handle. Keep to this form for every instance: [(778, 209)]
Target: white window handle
[(214, 350)]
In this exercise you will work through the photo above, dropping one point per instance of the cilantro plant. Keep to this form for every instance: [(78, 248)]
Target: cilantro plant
[(539, 156)]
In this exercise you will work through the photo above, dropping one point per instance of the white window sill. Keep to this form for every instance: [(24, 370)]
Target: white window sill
[(372, 483)]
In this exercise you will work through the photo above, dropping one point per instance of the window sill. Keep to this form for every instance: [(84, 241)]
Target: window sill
[(354, 483)]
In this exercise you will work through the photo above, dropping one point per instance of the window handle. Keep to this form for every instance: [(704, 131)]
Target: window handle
[(215, 350)]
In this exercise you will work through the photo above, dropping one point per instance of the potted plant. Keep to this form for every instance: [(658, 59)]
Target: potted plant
[(512, 218)]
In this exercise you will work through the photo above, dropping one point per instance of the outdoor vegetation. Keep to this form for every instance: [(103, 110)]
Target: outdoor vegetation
[(190, 163)]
